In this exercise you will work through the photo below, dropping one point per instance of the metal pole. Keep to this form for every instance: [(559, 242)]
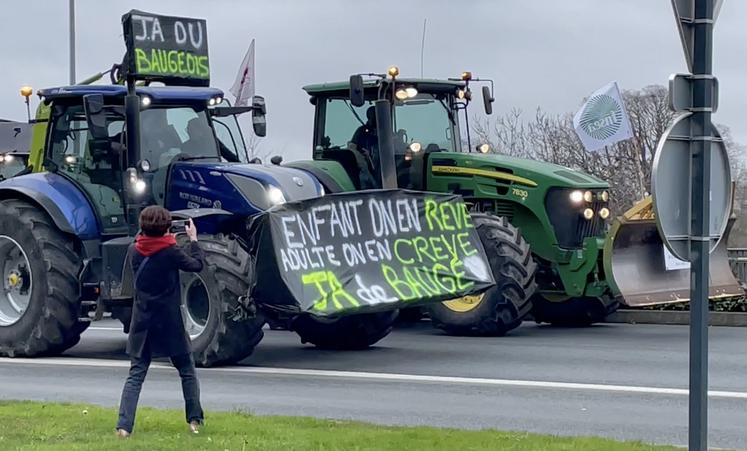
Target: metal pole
[(700, 150), (132, 124), (387, 165), (71, 11)]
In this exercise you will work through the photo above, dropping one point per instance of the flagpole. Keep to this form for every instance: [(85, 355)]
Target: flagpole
[(422, 48), (71, 15)]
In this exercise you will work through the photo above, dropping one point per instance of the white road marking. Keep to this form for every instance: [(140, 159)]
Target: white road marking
[(71, 361)]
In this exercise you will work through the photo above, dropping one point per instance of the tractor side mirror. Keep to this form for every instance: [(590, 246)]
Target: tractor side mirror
[(487, 100), (93, 105), (259, 119), (356, 91)]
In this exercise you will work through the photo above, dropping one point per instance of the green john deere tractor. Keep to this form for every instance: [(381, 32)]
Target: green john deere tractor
[(552, 219)]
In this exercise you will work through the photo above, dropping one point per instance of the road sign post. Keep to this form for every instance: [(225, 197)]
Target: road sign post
[(700, 150), (696, 93)]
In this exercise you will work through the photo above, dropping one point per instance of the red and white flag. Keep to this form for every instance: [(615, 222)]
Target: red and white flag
[(243, 87)]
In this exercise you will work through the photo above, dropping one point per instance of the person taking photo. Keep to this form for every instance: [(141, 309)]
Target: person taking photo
[(157, 328)]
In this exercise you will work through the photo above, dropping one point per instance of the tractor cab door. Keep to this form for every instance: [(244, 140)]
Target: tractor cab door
[(97, 171), (345, 134), (423, 125)]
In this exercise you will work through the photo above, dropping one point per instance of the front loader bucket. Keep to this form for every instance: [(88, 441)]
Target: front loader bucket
[(635, 268)]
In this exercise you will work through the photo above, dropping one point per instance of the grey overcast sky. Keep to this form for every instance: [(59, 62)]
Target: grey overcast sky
[(546, 53)]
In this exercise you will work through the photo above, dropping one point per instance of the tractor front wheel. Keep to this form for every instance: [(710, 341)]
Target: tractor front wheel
[(502, 307), (39, 302), (346, 333), (216, 320)]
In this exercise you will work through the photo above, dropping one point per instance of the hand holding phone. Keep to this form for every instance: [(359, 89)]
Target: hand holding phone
[(191, 230), (179, 226)]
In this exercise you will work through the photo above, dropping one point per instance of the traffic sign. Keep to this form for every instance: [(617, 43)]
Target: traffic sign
[(671, 178), (684, 13), (681, 92)]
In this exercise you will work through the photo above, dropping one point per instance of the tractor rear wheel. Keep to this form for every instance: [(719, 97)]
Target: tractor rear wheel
[(501, 308), (346, 333), (214, 316), (573, 312), (39, 304)]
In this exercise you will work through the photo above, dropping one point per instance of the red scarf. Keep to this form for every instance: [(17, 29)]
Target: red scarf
[(149, 245)]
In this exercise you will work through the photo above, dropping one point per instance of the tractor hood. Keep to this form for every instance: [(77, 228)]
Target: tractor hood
[(524, 171), (242, 189), (294, 184)]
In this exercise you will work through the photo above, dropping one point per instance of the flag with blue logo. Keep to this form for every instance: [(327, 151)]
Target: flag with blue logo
[(602, 120)]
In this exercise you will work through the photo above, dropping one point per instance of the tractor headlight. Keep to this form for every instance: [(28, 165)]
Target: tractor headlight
[(588, 213), (604, 212), (605, 196), (7, 158), (415, 147), (577, 196), (145, 101), (275, 196), (588, 196)]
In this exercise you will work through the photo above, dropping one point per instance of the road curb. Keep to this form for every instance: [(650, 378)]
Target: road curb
[(731, 319)]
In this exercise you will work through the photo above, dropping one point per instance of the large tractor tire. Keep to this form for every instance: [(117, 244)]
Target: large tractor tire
[(40, 304), (501, 308), (352, 332), (573, 312), (218, 324)]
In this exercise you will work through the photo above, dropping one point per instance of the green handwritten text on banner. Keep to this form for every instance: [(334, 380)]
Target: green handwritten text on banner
[(377, 250)]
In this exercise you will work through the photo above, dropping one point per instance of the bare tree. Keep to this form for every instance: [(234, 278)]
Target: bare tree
[(626, 165)]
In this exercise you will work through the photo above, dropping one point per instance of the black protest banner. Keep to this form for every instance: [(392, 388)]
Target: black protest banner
[(369, 251), (173, 50)]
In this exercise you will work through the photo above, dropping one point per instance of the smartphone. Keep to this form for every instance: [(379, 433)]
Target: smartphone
[(179, 225)]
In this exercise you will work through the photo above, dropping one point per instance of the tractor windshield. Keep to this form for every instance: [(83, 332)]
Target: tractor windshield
[(424, 119), (168, 132)]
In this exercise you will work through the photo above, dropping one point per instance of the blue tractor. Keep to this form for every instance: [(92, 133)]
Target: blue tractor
[(65, 227)]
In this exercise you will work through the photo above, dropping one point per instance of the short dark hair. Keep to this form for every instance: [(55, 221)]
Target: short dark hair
[(155, 221)]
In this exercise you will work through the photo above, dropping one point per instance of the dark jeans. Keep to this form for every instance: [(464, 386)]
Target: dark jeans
[(131, 391)]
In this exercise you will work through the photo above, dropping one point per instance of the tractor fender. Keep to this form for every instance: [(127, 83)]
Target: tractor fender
[(59, 198), (208, 220)]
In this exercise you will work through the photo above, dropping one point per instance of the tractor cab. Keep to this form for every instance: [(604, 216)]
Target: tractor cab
[(424, 122), (87, 143)]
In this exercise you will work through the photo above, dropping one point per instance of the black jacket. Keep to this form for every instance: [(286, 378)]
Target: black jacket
[(156, 314)]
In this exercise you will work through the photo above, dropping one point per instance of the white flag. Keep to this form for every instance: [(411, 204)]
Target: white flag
[(243, 87), (603, 121)]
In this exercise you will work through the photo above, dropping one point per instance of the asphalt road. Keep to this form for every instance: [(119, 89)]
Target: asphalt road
[(619, 381)]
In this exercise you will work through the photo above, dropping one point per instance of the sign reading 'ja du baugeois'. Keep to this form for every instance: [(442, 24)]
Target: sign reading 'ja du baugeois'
[(369, 251), (173, 50)]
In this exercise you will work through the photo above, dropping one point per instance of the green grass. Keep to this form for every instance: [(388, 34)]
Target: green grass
[(40, 426)]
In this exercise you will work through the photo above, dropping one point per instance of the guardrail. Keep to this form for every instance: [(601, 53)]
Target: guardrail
[(738, 263)]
